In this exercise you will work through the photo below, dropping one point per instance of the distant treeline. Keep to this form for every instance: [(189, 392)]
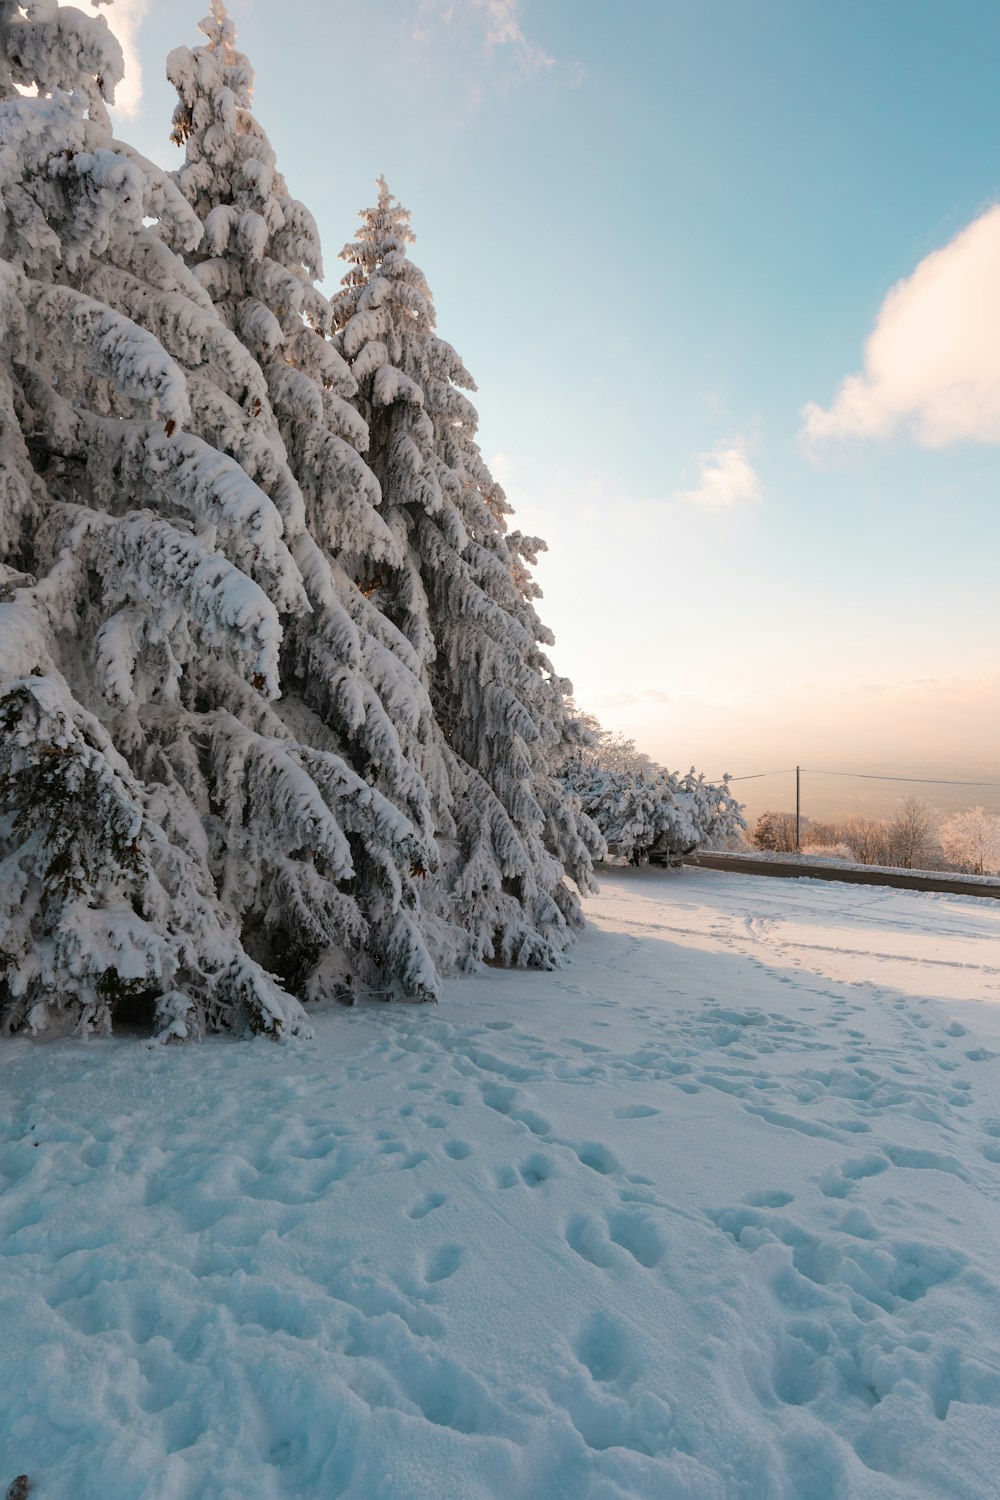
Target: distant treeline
[(916, 837)]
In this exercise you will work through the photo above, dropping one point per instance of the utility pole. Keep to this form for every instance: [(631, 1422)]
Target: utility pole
[(798, 809)]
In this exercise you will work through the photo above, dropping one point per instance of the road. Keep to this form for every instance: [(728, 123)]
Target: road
[(903, 879)]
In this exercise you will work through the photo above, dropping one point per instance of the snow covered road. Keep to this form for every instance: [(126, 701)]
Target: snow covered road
[(713, 1212)]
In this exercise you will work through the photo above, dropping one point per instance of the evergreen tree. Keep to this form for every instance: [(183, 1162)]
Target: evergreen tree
[(276, 721), (462, 595), (169, 833), (348, 676)]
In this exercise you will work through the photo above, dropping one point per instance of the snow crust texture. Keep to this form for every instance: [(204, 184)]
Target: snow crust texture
[(712, 1213)]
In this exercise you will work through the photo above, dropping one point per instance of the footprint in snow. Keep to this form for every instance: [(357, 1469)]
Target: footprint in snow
[(639, 1234), (457, 1150), (589, 1241), (427, 1205), (633, 1229), (444, 1263), (536, 1169), (413, 1160), (598, 1157), (606, 1348)]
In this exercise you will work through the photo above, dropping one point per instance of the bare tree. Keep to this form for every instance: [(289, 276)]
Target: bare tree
[(868, 840), (775, 831), (971, 840), (819, 834), (913, 834)]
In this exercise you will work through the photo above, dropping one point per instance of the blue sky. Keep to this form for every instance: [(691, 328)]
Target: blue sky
[(657, 231)]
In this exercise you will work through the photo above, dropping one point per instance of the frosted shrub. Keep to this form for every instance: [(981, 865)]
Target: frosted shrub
[(642, 809)]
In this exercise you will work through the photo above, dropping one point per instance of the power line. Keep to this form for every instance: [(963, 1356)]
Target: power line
[(861, 776), (757, 775), (922, 780)]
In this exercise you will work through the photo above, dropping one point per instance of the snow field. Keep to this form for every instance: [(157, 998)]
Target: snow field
[(712, 1212)]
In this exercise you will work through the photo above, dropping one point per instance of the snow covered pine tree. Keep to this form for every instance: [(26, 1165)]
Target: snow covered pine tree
[(221, 771), (462, 596), (350, 682), (166, 838)]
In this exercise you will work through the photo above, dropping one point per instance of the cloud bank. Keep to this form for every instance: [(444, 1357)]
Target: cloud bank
[(932, 361), (726, 479)]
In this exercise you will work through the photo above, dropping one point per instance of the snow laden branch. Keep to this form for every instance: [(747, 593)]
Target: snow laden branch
[(114, 346)]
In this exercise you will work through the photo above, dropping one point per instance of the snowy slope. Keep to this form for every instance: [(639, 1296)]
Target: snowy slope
[(713, 1212)]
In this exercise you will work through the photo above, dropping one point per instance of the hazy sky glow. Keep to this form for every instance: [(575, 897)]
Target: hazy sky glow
[(728, 277)]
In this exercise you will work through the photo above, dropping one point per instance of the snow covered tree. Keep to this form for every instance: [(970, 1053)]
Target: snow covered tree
[(642, 809), (277, 722), (350, 680), (971, 840), (170, 835), (461, 593), (775, 832)]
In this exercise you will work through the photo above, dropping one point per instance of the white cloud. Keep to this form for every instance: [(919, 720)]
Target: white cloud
[(932, 361), (498, 20), (727, 478), (125, 17)]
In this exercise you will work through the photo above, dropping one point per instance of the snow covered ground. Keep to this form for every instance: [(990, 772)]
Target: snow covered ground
[(713, 1212)]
